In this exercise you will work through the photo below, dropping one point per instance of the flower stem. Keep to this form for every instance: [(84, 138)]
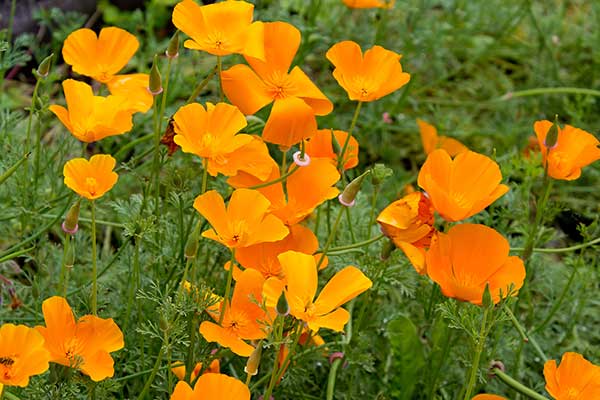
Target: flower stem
[(355, 245), (274, 181), (204, 175), (64, 270), (332, 377), (220, 70), (547, 186), (518, 386), (227, 287), (163, 102), (526, 338), (480, 343), (150, 379), (31, 110), (94, 266), (345, 146), (331, 236), (202, 85)]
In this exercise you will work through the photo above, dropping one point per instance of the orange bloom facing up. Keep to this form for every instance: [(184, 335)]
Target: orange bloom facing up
[(574, 149), (409, 223), (22, 354), (367, 78), (431, 140), (101, 57), (244, 222), (91, 179), (301, 287), (369, 3), (210, 387), (84, 345), (321, 145), (463, 186), (211, 133), (90, 118), (469, 257), (244, 318), (220, 29), (296, 100), (574, 379)]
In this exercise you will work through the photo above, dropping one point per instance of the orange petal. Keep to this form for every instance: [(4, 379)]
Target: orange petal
[(309, 92), (290, 121), (212, 207), (182, 391), (429, 136), (245, 89), (343, 287), (214, 333), (281, 41), (219, 386), (334, 320), (301, 274), (134, 87)]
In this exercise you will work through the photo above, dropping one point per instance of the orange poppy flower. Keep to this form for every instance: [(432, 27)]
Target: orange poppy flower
[(306, 188), (369, 3), (301, 286), (486, 396), (22, 354), (84, 345), (367, 78), (220, 29), (90, 118), (574, 379), (213, 368), (211, 133), (244, 318), (469, 257), (574, 149), (321, 145), (463, 186), (244, 222), (91, 179), (296, 100), (101, 57), (431, 140), (409, 223), (210, 387), (263, 256)]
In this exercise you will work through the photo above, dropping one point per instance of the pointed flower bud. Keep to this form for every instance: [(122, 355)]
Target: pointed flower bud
[(70, 225), (173, 49), (486, 300), (283, 308), (253, 362), (552, 136), (349, 194), (191, 247), (44, 67), (155, 87), (387, 249)]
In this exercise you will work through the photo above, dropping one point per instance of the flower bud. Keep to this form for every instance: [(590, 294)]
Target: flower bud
[(253, 362), (349, 194), (552, 135), (173, 49), (380, 173), (387, 249), (282, 307), (70, 225), (487, 300), (155, 87), (44, 67), (191, 247)]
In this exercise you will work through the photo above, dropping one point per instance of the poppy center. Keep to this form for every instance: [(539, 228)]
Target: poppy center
[(279, 85), (92, 185), (216, 40)]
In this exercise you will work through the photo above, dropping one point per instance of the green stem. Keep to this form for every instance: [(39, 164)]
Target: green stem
[(526, 338), (150, 379), (219, 71), (373, 207), (227, 287), (331, 236), (163, 102), (132, 144), (204, 176), (274, 181), (16, 254), (94, 266), (332, 377), (156, 162), (560, 249), (13, 168), (133, 283), (189, 362), (555, 90), (31, 110), (201, 85), (518, 386), (355, 245), (64, 270), (477, 356), (349, 221), (547, 186), (345, 146)]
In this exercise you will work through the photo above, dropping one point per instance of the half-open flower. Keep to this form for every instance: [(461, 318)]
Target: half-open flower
[(22, 355), (91, 179), (469, 257), (84, 345), (463, 186), (210, 387), (369, 77), (574, 379)]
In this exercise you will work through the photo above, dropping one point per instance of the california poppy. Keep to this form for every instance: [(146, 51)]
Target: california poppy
[(574, 149), (463, 186), (84, 345), (210, 387), (102, 57), (369, 3), (22, 355), (469, 257), (321, 145), (296, 100), (90, 118), (243, 319), (91, 179), (574, 379), (300, 288), (431, 140), (369, 77), (213, 368), (409, 223), (245, 221), (220, 29), (212, 134), (305, 189)]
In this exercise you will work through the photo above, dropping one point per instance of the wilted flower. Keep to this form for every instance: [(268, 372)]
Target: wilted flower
[(91, 179), (574, 379), (22, 355), (470, 257)]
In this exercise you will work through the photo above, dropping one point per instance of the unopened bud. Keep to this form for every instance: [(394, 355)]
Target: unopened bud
[(386, 251), (487, 300), (349, 194), (380, 173), (173, 49), (191, 247), (44, 67), (155, 87), (70, 225), (282, 307), (337, 149), (253, 362), (552, 135)]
